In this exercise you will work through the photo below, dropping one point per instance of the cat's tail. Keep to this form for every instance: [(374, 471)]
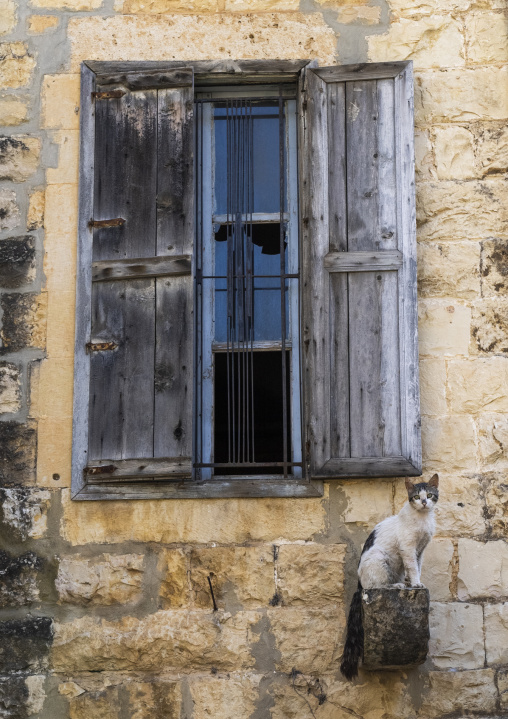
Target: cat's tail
[(353, 648)]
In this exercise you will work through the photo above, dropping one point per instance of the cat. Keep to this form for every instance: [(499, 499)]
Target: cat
[(391, 557)]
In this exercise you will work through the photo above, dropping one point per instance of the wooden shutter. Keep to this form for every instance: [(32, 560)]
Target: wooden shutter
[(135, 346), (360, 345)]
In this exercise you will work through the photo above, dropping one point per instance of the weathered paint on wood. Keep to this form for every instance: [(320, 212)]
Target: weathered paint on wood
[(153, 79), (362, 71), (113, 470), (141, 267), (363, 261)]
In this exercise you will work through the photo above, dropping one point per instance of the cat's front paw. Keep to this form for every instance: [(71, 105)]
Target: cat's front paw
[(398, 585), (417, 585)]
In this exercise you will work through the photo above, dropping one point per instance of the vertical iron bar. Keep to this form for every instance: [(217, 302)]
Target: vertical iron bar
[(283, 282), (251, 208), (228, 285)]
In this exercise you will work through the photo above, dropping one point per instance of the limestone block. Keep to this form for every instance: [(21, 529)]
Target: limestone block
[(54, 445), (307, 639), (434, 41), (76, 5), (105, 579), (17, 261), (38, 24), (368, 502), (8, 17), (310, 574), (13, 111), (489, 327), (19, 585), (460, 509), (9, 210), (233, 696), (155, 699), (223, 521), (25, 512), (24, 321), (60, 220), (10, 388), (424, 155), (502, 683), (444, 327), (494, 267), (456, 636), (483, 569), (454, 152), (261, 5), (461, 94), (17, 454), (496, 499), (181, 641), (19, 157), (174, 591), (100, 705), (70, 689), (24, 645), (428, 7), (67, 170), (449, 269), (35, 218), (60, 102), (266, 35), (395, 627), (240, 576), (460, 210), (486, 37), (16, 65), (437, 569), (496, 633), (21, 696), (493, 436), (56, 381), (359, 14), (491, 147), (478, 385), (469, 691), (433, 386), (157, 7)]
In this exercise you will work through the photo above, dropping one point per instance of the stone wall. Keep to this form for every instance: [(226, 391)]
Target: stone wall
[(105, 607)]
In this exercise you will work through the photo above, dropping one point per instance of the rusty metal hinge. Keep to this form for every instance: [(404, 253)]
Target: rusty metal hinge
[(108, 95), (100, 346), (115, 222), (106, 469)]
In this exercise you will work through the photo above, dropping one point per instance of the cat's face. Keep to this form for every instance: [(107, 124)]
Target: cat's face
[(423, 495)]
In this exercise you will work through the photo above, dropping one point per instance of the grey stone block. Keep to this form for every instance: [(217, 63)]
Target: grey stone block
[(396, 627)]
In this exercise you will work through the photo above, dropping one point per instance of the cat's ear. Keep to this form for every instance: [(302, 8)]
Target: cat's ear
[(409, 485), (434, 482)]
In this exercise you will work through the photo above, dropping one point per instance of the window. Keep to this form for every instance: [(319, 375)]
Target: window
[(246, 301)]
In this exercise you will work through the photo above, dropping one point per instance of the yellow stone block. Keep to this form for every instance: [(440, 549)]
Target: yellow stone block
[(196, 37), (492, 148), (103, 705), (456, 636), (434, 41), (461, 95), (60, 102), (188, 520), (449, 443), (16, 65), (437, 569), (433, 386), (55, 388), (311, 574), (454, 153), (61, 235), (54, 449), (76, 5), (67, 170), (486, 37), (261, 5), (494, 259), (157, 7), (496, 633), (493, 436), (102, 580), (40, 23), (60, 324), (10, 388), (444, 327), (363, 15), (489, 326), (449, 269), (483, 569), (230, 696), (424, 156), (460, 692), (13, 111), (461, 508), (368, 502), (478, 385), (496, 499), (8, 17), (174, 591), (35, 217)]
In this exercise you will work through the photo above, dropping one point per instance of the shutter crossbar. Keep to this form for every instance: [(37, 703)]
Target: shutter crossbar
[(141, 267), (363, 261), (121, 469)]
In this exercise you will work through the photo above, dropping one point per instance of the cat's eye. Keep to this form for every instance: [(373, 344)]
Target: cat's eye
[(416, 497), (429, 496)]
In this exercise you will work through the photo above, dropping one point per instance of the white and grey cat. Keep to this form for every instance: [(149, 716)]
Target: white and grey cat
[(391, 557)]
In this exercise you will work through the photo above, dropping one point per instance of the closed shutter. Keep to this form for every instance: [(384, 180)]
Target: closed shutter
[(360, 345), (140, 346)]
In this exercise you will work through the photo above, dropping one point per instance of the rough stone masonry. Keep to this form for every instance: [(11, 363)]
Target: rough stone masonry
[(104, 609)]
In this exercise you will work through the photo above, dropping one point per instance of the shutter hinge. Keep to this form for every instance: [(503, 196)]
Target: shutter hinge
[(108, 95), (116, 222), (100, 346)]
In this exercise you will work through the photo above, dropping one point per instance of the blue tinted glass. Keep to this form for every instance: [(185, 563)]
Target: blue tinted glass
[(265, 174)]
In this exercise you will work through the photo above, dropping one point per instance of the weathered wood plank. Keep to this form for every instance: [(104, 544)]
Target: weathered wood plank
[(369, 467), (152, 79), (363, 261), (362, 71), (126, 176), (141, 267), (113, 470), (340, 440)]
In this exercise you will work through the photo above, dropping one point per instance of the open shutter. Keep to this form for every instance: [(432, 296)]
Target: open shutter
[(140, 333), (360, 344)]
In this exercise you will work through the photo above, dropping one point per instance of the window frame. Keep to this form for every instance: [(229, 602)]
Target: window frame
[(244, 72)]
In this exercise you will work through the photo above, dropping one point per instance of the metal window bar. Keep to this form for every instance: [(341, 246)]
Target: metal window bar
[(240, 279)]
